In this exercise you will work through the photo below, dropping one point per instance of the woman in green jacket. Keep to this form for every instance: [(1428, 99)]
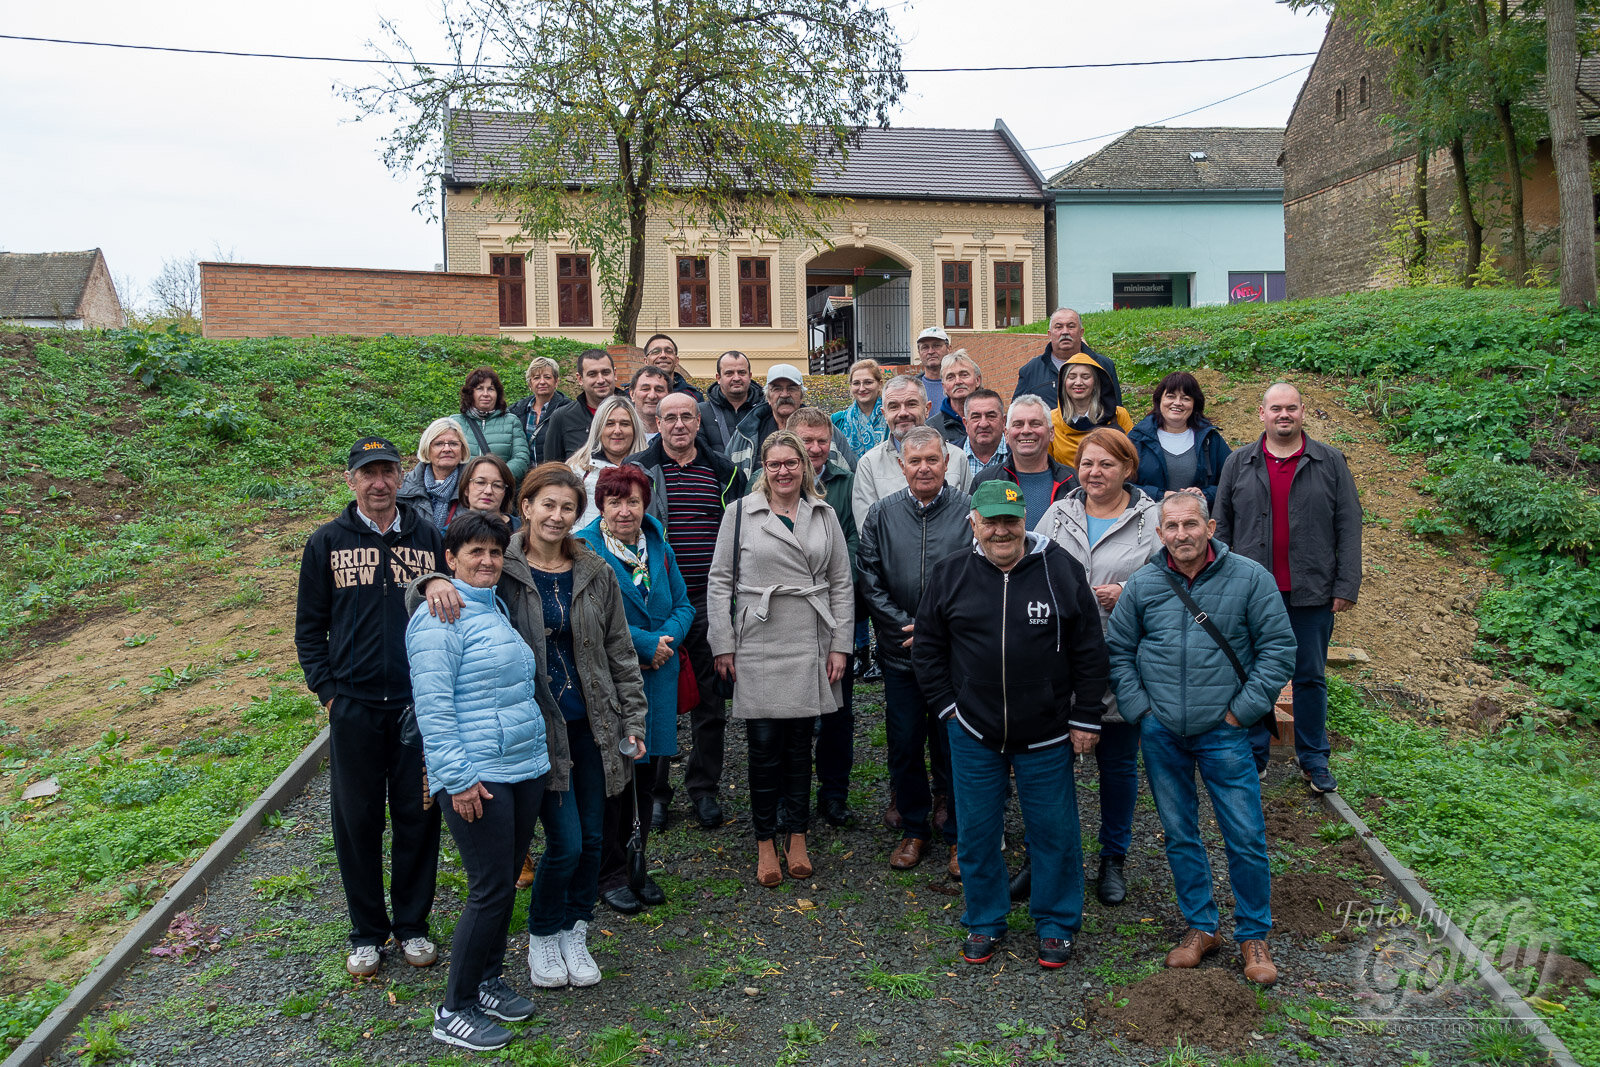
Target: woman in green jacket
[(488, 426)]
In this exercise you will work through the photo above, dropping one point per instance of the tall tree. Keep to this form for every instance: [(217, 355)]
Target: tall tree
[(717, 114), (1570, 150)]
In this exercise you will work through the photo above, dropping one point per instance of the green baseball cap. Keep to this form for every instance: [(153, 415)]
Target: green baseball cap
[(998, 497)]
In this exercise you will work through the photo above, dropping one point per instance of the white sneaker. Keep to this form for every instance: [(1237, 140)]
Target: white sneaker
[(581, 967), (420, 952), (362, 961), (546, 968)]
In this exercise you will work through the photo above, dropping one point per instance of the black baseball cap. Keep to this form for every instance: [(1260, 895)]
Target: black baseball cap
[(372, 450)]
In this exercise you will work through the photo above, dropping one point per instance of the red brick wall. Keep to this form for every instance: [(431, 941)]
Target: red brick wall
[(251, 300), (1001, 355)]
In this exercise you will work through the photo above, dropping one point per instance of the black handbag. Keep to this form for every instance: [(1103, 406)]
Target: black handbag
[(638, 869), (1205, 623)]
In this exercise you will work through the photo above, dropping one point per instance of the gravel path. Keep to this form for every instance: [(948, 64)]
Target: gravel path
[(857, 964)]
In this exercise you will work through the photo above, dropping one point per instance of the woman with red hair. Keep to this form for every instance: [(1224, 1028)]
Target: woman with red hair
[(657, 605)]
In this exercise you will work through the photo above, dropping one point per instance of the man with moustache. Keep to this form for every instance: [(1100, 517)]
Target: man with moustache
[(879, 473), (1027, 463)]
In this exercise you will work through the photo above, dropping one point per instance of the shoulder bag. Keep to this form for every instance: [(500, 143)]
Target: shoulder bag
[(1203, 620)]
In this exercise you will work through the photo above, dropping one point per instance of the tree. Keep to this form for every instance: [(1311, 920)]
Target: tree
[(176, 288), (1570, 149), (718, 114)]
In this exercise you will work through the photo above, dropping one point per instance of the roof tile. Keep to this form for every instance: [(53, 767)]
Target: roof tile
[(1157, 158)]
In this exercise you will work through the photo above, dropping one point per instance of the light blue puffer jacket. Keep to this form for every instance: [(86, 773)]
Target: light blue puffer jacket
[(473, 684), (1162, 661)]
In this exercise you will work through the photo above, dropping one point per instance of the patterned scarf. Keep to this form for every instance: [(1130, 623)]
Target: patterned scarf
[(441, 494), (635, 557), (864, 432)]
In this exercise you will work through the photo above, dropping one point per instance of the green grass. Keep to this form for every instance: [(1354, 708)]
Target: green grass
[(916, 985)]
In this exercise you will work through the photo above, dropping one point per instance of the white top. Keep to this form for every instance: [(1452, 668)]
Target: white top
[(1176, 444)]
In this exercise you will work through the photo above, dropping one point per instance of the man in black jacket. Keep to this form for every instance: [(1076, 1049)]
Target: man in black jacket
[(734, 395), (902, 537), (691, 488), (1290, 504), (1009, 651), (569, 427), (350, 629), (662, 351), (1039, 376), (1027, 461)]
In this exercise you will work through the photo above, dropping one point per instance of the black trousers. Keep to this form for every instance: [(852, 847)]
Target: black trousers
[(374, 782), (491, 847), (836, 742), (780, 775), (619, 816), (708, 720)]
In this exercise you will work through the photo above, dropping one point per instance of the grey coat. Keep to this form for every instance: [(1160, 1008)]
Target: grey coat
[(794, 604), (1324, 520), (608, 667)]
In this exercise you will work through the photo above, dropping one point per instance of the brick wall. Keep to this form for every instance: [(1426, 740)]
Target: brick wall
[(1000, 355), (252, 300)]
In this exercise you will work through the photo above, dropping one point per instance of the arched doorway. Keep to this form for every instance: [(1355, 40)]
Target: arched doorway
[(858, 306)]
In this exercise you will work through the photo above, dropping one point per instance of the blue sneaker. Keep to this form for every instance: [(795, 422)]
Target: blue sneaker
[(1320, 779), (500, 1000), (469, 1028)]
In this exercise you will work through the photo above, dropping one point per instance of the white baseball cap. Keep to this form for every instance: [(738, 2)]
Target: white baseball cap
[(935, 333), (786, 371)]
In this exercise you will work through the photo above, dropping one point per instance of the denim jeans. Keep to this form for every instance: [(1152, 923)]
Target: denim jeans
[(1223, 758), (1117, 756), (568, 878), (910, 724), (491, 848), (1313, 628), (1048, 795)]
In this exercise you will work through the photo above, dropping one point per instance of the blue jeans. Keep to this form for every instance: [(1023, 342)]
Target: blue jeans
[(568, 879), (1117, 756), (910, 725), (1048, 795), (1313, 628), (1222, 756)]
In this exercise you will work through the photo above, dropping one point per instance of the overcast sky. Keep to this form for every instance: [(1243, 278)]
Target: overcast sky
[(149, 155)]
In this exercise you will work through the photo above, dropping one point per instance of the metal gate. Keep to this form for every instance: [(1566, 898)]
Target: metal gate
[(883, 322)]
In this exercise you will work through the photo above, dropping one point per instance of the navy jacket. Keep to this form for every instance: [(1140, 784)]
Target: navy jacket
[(1211, 452), (1038, 376)]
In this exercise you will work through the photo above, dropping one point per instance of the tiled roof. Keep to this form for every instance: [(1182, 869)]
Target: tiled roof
[(896, 163), (1157, 158), (44, 285)]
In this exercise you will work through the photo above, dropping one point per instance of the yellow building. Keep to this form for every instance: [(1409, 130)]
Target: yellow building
[(946, 227)]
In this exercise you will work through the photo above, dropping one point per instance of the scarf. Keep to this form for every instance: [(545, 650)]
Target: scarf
[(635, 557), (863, 432), (441, 494)]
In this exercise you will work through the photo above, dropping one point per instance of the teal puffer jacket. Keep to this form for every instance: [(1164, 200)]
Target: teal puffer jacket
[(473, 686), (505, 435), (1163, 661)]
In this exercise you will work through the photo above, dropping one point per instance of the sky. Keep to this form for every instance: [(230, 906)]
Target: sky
[(153, 155)]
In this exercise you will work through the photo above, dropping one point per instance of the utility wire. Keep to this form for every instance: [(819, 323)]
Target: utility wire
[(508, 66), (1169, 118)]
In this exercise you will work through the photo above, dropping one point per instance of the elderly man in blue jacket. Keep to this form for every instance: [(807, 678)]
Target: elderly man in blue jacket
[(1200, 645)]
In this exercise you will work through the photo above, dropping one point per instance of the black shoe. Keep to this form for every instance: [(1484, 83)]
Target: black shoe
[(835, 812), (658, 815), (1113, 887), (1022, 883), (622, 899), (1054, 952), (650, 894), (707, 811), (977, 948)]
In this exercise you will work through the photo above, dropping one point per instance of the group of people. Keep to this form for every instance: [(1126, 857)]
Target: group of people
[(506, 637)]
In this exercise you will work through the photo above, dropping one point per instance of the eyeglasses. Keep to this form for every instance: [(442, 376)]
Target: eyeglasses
[(673, 420), (480, 483), (782, 465)]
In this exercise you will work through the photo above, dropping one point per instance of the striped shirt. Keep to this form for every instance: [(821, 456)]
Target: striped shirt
[(694, 511)]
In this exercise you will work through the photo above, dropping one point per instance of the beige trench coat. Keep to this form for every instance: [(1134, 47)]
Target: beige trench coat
[(795, 605)]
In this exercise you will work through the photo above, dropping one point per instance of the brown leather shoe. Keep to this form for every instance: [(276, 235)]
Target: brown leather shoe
[(1192, 947), (1258, 965), (907, 854), (892, 819), (525, 879), (955, 865)]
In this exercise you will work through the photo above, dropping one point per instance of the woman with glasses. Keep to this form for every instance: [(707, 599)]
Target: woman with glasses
[(489, 427), (434, 484), (780, 607), (487, 485)]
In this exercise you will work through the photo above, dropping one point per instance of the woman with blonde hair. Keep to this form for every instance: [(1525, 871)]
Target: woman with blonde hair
[(433, 485), (862, 423), (1080, 407), (543, 400), (780, 612), (615, 433)]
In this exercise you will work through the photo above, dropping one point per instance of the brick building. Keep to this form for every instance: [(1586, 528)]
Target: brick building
[(1345, 177), (72, 290), (931, 226)]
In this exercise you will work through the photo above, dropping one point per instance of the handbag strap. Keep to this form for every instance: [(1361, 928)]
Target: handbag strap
[(1206, 624), (476, 426)]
